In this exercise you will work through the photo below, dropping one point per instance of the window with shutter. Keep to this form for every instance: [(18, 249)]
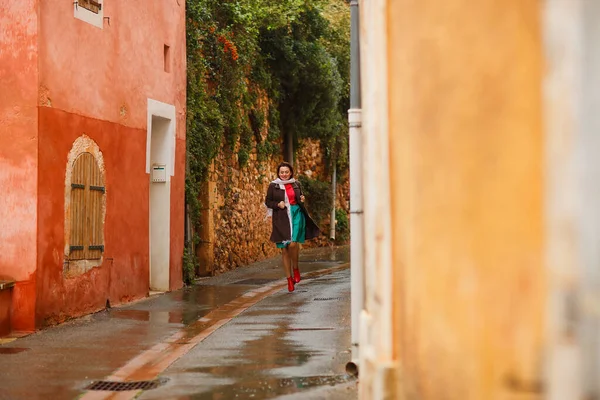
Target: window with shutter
[(86, 219), (90, 5), (90, 11)]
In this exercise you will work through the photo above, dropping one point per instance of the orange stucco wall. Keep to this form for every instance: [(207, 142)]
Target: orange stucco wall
[(98, 81), (109, 73), (18, 153), (466, 161), (124, 273)]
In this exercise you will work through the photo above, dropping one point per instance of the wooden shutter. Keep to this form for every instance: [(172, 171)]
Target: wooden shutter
[(87, 196), (90, 5)]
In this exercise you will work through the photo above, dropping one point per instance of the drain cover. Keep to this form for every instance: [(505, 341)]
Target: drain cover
[(326, 298), (321, 261), (254, 281), (311, 329), (111, 386)]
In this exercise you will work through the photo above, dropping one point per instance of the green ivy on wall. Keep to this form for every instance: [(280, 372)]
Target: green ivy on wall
[(260, 64)]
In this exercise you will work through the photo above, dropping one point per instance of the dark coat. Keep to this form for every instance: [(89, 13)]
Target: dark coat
[(281, 222)]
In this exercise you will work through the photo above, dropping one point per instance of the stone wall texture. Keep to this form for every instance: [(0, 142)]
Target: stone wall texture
[(238, 215)]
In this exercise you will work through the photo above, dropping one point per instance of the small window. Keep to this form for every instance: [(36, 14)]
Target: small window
[(86, 219), (90, 11), (167, 58), (90, 5)]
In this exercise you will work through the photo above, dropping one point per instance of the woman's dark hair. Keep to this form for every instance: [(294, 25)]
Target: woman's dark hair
[(286, 164)]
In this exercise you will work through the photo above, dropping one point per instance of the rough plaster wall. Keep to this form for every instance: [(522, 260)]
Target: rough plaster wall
[(18, 153), (466, 149), (101, 87), (18, 139), (123, 275), (124, 60)]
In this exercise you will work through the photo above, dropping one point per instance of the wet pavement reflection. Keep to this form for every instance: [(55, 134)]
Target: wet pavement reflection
[(287, 343), (270, 387), (60, 362), (185, 306)]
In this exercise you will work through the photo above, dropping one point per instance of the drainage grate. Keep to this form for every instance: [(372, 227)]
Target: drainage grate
[(321, 262), (326, 298), (311, 329), (125, 386), (254, 281)]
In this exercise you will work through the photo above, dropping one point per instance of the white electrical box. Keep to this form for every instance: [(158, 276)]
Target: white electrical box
[(159, 173)]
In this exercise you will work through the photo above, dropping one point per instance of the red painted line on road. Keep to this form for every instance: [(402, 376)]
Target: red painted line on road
[(150, 363)]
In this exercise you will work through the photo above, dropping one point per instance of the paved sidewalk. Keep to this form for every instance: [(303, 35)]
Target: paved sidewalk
[(60, 362)]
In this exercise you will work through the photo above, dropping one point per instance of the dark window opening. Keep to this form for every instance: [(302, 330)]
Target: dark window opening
[(167, 58)]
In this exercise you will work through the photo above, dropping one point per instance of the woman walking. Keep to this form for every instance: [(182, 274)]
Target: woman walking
[(291, 223)]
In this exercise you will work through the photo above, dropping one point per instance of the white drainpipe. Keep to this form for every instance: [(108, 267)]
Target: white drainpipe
[(333, 190), (356, 194), (356, 229)]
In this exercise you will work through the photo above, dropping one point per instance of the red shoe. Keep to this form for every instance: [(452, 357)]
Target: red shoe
[(296, 275), (290, 284)]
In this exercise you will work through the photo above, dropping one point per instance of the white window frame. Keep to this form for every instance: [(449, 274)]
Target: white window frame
[(88, 16)]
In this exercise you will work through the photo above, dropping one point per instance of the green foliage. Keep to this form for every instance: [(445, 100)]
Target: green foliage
[(254, 64), (190, 264), (318, 197), (308, 58), (342, 226)]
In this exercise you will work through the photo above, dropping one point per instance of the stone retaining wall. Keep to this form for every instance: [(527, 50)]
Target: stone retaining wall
[(240, 228)]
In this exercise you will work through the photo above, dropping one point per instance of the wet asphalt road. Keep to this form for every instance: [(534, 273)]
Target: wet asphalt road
[(285, 344)]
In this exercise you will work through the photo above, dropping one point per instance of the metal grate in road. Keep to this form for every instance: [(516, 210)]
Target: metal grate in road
[(327, 298), (310, 329), (111, 386), (321, 262)]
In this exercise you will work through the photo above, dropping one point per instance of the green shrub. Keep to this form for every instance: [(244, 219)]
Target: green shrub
[(190, 262), (342, 226), (318, 197)]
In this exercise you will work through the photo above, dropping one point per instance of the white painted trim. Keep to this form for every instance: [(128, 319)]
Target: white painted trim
[(87, 16), (164, 110), (572, 122), (161, 151), (356, 227), (562, 21)]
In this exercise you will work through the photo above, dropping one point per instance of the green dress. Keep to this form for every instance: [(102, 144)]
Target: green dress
[(298, 227)]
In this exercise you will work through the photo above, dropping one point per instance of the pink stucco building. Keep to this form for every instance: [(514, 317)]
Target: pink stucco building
[(92, 155)]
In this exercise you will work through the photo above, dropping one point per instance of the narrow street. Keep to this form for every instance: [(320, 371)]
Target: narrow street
[(238, 335)]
